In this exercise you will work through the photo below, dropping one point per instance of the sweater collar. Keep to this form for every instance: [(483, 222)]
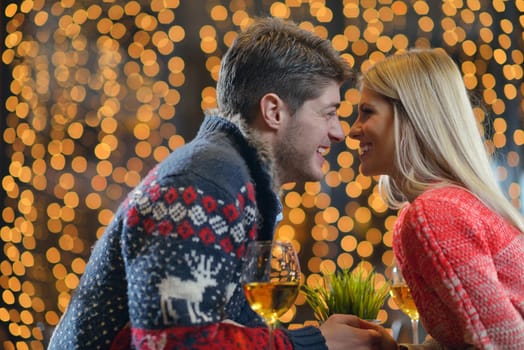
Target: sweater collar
[(256, 153)]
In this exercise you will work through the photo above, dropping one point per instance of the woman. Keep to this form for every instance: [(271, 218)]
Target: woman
[(458, 240)]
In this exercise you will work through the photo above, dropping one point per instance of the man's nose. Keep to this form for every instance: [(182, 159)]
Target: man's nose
[(336, 132)]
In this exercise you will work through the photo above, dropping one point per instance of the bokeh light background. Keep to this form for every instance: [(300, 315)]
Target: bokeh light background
[(94, 93)]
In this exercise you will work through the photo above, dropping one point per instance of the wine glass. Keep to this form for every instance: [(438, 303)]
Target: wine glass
[(401, 294), (270, 277)]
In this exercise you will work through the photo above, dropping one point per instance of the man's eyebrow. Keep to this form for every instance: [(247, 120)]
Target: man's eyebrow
[(331, 105)]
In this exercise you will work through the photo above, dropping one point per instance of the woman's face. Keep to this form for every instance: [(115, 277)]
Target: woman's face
[(374, 130)]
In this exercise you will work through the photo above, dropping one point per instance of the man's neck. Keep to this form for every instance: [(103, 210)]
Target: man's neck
[(258, 140)]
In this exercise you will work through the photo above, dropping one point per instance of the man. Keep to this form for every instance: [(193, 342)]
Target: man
[(166, 272)]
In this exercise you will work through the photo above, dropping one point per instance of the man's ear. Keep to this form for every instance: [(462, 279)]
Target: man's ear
[(271, 109)]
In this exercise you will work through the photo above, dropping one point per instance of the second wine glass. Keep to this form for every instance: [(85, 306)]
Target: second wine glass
[(270, 277), (401, 295)]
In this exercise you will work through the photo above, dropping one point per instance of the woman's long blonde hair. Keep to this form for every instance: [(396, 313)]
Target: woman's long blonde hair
[(436, 134)]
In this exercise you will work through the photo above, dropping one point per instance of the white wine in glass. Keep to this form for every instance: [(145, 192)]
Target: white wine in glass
[(402, 297), (270, 277)]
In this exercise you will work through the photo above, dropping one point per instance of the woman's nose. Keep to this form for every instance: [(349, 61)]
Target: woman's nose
[(355, 131)]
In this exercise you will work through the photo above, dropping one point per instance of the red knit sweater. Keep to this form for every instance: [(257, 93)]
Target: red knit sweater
[(465, 267)]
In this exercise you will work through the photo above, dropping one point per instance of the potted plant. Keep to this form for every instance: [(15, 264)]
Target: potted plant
[(347, 292)]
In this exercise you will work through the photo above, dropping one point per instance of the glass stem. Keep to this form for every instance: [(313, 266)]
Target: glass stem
[(414, 326), (271, 340)]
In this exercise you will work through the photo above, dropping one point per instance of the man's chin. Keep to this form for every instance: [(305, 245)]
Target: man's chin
[(311, 178), (306, 175)]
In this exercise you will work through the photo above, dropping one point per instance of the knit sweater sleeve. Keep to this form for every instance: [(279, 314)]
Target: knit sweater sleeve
[(182, 247), (448, 247)]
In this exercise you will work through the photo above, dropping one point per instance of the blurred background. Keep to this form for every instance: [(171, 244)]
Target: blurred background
[(94, 93)]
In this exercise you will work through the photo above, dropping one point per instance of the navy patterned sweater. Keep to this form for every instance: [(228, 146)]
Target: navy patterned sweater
[(165, 274)]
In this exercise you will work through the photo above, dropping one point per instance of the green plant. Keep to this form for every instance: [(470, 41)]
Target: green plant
[(347, 292)]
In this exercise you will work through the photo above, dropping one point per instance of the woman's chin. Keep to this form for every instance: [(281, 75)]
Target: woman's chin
[(368, 172)]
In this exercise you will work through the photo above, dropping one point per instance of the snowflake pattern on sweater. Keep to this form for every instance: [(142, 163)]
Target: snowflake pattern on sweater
[(205, 233), (465, 267)]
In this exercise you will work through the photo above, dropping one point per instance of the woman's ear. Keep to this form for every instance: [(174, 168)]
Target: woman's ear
[(272, 108)]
